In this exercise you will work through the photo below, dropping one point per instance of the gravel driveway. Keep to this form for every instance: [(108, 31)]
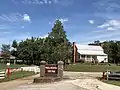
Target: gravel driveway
[(77, 81)]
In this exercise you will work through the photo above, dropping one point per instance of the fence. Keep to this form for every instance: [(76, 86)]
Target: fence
[(111, 75), (2, 74), (35, 69)]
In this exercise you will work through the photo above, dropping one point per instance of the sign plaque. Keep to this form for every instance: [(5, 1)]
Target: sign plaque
[(51, 70)]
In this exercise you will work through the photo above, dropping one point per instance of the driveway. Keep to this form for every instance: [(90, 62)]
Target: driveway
[(77, 81)]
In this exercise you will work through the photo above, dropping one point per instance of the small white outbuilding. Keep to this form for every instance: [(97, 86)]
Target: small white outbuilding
[(91, 53)]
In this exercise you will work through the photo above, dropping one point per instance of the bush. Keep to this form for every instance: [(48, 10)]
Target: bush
[(102, 62), (96, 61), (82, 61)]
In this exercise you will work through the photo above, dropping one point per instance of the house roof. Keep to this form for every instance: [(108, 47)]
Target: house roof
[(90, 50)]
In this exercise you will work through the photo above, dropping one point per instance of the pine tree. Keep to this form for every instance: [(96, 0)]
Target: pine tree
[(60, 44)]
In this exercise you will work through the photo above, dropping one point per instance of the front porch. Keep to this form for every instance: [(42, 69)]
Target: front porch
[(88, 58), (93, 58)]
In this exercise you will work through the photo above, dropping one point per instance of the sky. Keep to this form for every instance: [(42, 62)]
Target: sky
[(84, 20)]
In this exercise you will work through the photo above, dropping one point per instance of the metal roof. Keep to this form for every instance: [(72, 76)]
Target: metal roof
[(90, 50)]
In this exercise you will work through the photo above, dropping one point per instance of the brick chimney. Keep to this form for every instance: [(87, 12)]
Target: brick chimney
[(74, 52)]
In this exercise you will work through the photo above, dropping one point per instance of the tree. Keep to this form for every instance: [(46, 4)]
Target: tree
[(14, 51), (5, 53), (14, 44), (52, 48), (118, 51), (96, 43), (111, 48), (60, 44)]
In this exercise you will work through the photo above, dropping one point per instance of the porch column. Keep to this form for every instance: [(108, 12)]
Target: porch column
[(91, 58), (80, 57), (85, 57)]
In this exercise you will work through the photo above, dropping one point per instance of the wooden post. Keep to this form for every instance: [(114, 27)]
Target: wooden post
[(91, 59), (8, 69), (107, 74)]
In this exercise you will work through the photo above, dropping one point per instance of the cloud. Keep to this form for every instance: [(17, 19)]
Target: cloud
[(63, 20), (107, 9), (23, 27), (21, 36), (104, 25), (6, 32), (5, 27), (26, 17), (41, 2), (14, 17), (103, 36), (91, 21), (106, 6), (65, 2), (111, 29), (44, 36), (110, 25), (50, 22)]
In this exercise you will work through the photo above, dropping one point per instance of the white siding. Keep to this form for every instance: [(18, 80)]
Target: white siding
[(89, 50), (102, 58)]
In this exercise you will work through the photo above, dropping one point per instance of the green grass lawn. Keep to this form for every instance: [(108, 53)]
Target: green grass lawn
[(16, 75), (91, 68), (113, 82), (3, 66)]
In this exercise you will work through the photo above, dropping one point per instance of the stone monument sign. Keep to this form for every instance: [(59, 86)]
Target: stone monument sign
[(51, 70)]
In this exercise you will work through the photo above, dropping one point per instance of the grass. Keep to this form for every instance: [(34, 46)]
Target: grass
[(16, 75), (3, 66), (113, 82), (91, 68)]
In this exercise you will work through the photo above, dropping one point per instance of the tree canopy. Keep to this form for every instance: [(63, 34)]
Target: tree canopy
[(53, 48), (112, 48), (5, 53)]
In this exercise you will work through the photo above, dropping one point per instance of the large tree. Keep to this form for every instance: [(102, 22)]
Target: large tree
[(60, 44), (112, 49), (51, 49), (5, 53), (14, 50)]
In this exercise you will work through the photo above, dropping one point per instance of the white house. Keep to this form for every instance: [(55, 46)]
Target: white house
[(91, 53)]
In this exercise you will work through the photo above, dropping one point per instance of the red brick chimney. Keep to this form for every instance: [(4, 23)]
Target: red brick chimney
[(74, 52)]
